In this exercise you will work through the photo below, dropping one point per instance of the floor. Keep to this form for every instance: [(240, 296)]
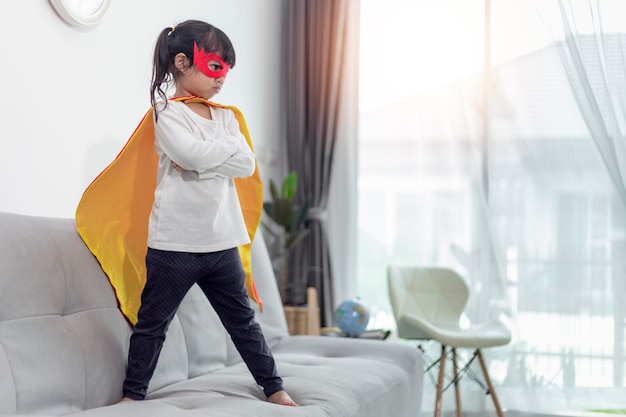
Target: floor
[(519, 402), (515, 413), (523, 402)]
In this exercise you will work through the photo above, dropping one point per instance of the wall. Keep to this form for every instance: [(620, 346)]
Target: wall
[(71, 98)]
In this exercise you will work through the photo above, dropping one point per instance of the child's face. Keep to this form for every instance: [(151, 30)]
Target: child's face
[(204, 78)]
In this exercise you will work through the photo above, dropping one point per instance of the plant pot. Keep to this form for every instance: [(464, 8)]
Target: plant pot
[(304, 319)]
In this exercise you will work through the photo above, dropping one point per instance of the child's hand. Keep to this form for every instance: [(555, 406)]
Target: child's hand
[(177, 167)]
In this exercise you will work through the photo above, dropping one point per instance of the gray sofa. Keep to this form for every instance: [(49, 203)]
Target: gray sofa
[(63, 345)]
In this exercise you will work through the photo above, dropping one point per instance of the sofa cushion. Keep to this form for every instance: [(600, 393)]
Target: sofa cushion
[(61, 333), (63, 338), (64, 341), (330, 377)]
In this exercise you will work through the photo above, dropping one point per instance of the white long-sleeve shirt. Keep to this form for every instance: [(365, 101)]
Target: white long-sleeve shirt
[(198, 210)]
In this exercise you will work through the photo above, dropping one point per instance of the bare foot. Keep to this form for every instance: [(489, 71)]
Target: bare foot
[(282, 398), (126, 400)]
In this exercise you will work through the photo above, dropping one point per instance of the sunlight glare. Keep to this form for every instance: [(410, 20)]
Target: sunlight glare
[(409, 46)]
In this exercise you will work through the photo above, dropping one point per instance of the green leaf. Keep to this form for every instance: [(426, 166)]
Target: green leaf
[(268, 207), (300, 216), (283, 212), (290, 183), (274, 190)]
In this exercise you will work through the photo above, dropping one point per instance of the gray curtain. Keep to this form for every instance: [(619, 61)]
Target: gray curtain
[(319, 37)]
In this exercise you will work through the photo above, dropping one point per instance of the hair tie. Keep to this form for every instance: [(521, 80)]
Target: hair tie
[(172, 31)]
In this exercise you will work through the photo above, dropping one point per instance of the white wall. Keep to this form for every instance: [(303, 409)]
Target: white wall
[(71, 98)]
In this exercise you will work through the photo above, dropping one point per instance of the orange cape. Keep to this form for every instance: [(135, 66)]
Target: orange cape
[(112, 215)]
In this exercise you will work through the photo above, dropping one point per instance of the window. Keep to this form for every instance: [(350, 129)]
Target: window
[(514, 193)]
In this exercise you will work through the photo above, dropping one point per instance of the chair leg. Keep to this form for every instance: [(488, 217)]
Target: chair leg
[(494, 397), (442, 368), (457, 394)]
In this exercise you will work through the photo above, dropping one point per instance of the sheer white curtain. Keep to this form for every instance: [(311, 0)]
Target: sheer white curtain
[(516, 179), (592, 49)]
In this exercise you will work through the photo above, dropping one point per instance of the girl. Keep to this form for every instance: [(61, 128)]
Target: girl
[(196, 223)]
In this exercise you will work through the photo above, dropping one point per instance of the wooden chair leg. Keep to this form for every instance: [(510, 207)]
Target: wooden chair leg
[(492, 392), (442, 368), (457, 393)]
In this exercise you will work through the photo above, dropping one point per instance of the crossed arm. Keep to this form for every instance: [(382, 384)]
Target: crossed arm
[(228, 156)]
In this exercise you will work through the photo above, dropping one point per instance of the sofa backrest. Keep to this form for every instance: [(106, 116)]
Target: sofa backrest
[(63, 340)]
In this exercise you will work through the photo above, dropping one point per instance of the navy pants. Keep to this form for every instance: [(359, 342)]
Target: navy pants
[(220, 275)]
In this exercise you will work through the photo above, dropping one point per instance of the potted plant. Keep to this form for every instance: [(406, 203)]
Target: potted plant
[(289, 231)]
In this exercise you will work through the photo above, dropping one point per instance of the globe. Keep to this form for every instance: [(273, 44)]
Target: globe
[(352, 317)]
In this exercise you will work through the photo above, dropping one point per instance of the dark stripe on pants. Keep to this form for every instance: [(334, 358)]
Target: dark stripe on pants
[(170, 275)]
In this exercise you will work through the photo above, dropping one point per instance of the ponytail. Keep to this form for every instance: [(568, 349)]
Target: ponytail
[(161, 67)]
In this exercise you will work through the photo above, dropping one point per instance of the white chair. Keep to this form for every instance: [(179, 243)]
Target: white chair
[(427, 304)]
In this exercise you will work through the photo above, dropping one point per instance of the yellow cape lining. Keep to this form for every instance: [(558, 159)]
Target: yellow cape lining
[(112, 215)]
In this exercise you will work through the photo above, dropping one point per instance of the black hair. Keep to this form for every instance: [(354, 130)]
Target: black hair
[(180, 39)]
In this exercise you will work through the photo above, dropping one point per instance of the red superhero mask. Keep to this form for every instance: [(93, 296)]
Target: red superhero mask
[(201, 61)]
